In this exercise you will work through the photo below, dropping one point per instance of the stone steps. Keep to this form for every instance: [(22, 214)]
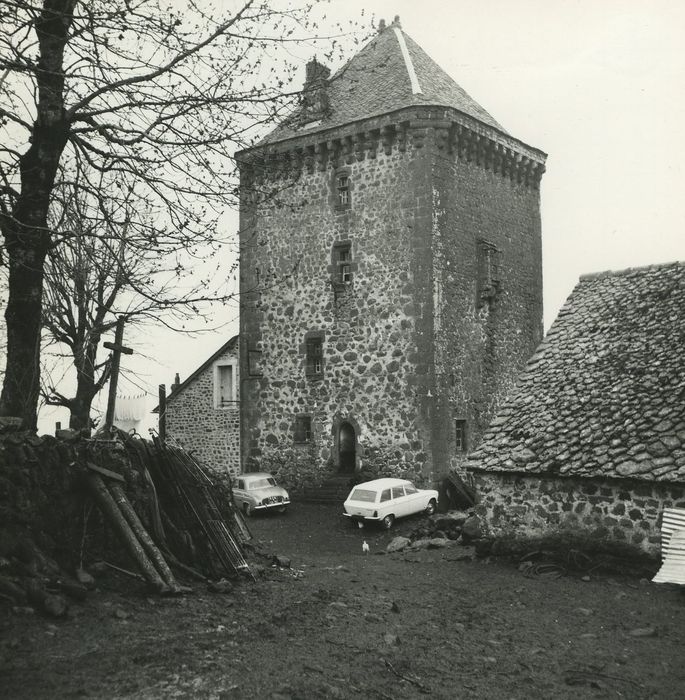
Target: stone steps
[(333, 490)]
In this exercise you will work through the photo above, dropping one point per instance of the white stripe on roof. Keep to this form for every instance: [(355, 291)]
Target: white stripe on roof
[(415, 87)]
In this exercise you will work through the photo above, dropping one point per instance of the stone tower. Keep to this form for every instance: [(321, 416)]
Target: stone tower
[(390, 268)]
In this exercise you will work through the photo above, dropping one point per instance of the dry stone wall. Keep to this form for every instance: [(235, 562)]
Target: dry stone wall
[(211, 434), (622, 511)]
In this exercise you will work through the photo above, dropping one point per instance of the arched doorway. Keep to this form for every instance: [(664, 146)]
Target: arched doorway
[(347, 457)]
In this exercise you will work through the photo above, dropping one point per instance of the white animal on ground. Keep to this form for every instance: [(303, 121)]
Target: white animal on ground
[(365, 547)]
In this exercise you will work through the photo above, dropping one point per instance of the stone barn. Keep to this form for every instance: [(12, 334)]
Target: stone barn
[(390, 268), (202, 412), (592, 438)]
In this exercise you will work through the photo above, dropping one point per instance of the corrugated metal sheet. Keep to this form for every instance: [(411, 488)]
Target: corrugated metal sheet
[(672, 547)]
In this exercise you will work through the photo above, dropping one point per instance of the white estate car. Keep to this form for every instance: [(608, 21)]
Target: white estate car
[(383, 500)]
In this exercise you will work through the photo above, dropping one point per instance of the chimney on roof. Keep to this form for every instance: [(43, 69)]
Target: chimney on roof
[(396, 22), (315, 103), (176, 384), (381, 26)]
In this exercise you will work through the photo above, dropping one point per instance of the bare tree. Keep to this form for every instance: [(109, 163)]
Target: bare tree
[(142, 101), (102, 270)]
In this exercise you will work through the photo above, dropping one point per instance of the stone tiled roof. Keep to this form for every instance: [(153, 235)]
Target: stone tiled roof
[(604, 394), (377, 81)]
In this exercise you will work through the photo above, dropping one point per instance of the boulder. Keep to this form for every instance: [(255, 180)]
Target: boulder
[(398, 544), (281, 561), (438, 542), (472, 529), (449, 520), (84, 578)]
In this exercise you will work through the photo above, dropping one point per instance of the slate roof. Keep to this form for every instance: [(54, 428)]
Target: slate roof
[(228, 345), (377, 81), (604, 394)]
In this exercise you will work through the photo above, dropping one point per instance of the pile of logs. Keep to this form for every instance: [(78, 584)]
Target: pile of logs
[(171, 520), (192, 523), (109, 495)]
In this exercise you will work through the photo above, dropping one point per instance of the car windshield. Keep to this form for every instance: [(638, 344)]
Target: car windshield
[(261, 483), (363, 495)]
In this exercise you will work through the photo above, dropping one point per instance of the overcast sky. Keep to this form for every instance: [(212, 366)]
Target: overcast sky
[(596, 84)]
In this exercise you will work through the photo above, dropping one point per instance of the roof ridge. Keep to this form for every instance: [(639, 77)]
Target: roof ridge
[(388, 73), (413, 79), (630, 270)]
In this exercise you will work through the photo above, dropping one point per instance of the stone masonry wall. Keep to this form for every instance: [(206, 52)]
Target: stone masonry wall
[(481, 346), (375, 331), (627, 511), (409, 345), (211, 434)]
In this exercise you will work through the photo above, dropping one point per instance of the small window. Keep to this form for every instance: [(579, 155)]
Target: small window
[(303, 429), (489, 272), (314, 356), (385, 496), (241, 484), (343, 188), (460, 435), (397, 492), (410, 489), (342, 261)]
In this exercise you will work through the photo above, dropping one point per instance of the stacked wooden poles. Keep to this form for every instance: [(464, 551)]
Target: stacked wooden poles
[(122, 517)]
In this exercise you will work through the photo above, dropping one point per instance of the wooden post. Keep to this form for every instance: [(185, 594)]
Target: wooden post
[(162, 412), (117, 348)]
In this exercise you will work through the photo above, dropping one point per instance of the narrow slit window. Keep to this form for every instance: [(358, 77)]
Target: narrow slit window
[(314, 356), (460, 435)]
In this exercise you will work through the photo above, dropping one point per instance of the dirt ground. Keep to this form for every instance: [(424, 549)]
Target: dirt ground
[(341, 624)]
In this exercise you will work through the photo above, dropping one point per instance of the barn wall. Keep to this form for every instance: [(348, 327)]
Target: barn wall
[(530, 506)]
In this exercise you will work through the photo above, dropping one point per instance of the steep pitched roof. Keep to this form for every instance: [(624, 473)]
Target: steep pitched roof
[(392, 71), (604, 394), (229, 345)]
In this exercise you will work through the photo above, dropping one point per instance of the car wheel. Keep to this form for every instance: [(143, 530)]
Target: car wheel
[(387, 521), (247, 510), (431, 507)]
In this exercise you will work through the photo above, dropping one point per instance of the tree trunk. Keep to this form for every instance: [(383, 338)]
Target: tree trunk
[(25, 229), (86, 385), (23, 316)]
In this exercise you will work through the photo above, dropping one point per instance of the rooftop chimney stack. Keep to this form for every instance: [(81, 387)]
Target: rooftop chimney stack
[(315, 92)]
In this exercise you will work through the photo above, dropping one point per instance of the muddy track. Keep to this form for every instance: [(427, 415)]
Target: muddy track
[(342, 624)]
